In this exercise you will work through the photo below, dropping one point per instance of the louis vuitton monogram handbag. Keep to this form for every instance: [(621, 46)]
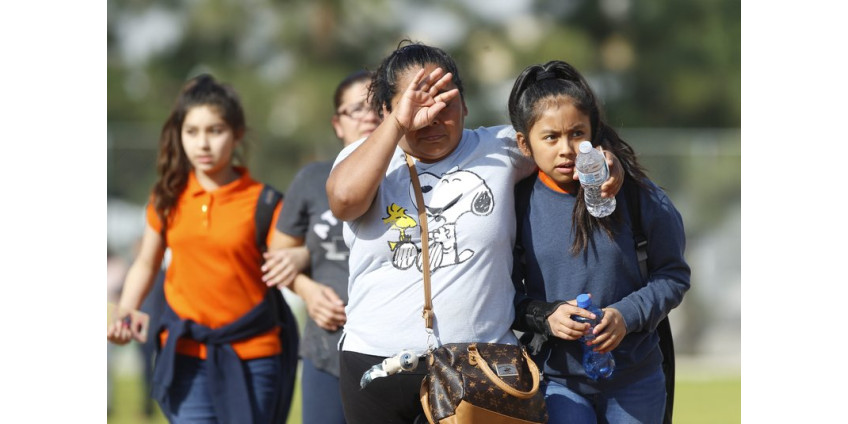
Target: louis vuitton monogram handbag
[(476, 383)]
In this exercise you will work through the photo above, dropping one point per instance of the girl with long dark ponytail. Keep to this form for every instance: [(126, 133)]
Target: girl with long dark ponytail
[(556, 78), (563, 251)]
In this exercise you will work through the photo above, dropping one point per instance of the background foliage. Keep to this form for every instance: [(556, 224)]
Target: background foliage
[(656, 63)]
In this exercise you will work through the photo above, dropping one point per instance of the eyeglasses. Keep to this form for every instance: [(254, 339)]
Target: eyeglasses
[(357, 111)]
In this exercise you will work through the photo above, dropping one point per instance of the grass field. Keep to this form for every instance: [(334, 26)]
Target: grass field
[(716, 401), (697, 400), (127, 407)]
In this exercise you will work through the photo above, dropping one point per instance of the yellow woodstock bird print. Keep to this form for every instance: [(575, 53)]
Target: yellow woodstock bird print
[(400, 221)]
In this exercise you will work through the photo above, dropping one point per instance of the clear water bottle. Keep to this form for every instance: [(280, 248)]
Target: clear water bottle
[(593, 171), (597, 365)]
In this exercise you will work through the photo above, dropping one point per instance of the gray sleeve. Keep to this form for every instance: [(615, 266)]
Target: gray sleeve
[(294, 216)]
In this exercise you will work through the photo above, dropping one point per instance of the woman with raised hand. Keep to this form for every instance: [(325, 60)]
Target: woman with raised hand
[(467, 178)]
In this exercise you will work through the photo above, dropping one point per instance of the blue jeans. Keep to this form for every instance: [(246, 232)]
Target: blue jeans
[(322, 400), (191, 401), (642, 402)]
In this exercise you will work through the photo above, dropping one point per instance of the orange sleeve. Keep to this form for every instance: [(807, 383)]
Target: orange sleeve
[(153, 219)]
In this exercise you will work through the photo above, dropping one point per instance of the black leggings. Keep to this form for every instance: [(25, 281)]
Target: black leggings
[(391, 399)]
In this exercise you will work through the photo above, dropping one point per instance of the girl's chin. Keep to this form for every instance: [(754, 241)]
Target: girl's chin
[(563, 177), (565, 181), (210, 169), (204, 167)]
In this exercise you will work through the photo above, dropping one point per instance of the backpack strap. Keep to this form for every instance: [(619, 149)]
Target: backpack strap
[(265, 205), (631, 192), (523, 189), (268, 199)]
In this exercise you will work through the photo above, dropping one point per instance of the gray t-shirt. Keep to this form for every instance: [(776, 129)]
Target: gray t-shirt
[(471, 220), (306, 213)]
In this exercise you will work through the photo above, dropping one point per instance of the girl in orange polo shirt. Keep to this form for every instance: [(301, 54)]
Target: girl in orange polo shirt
[(221, 343)]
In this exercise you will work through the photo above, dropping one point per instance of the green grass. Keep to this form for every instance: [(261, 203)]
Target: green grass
[(128, 408), (716, 401)]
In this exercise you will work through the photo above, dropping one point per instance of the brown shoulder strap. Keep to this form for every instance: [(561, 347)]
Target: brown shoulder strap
[(427, 313)]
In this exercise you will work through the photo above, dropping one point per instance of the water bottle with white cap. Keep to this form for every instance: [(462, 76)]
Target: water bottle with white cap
[(592, 170)]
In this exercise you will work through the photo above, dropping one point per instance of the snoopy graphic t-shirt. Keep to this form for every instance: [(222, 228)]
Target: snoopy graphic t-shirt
[(469, 201)]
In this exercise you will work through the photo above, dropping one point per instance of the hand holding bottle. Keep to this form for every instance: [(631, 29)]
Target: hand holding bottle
[(563, 326), (598, 365), (613, 184), (609, 332), (593, 170)]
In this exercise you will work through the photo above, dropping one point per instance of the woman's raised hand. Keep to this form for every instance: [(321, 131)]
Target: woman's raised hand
[(423, 99)]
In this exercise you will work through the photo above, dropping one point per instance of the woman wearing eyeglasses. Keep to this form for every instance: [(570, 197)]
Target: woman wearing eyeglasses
[(306, 220)]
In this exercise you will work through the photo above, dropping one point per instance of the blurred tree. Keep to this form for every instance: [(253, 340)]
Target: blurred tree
[(657, 63)]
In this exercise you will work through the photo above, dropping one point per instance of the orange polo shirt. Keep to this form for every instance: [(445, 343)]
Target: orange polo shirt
[(214, 276)]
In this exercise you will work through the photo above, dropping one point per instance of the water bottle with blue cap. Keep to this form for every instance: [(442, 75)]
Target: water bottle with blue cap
[(597, 365)]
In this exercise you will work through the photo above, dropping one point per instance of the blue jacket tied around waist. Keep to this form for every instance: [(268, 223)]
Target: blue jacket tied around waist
[(228, 383)]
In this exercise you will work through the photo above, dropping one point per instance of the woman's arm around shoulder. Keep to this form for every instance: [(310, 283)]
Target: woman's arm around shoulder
[(354, 180)]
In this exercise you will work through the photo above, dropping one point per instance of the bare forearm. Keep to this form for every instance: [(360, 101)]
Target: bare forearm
[(322, 303), (301, 284), (286, 257), (143, 271), (136, 286), (353, 183)]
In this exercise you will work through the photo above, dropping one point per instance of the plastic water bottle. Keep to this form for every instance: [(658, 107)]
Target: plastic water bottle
[(593, 171), (597, 365)]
